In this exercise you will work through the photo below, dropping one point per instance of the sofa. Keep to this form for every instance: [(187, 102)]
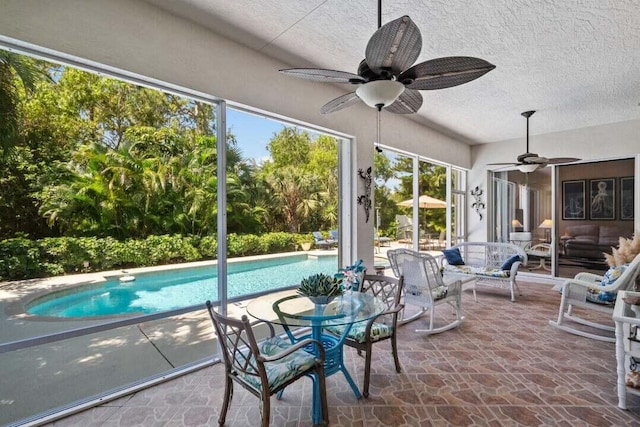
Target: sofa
[(591, 240)]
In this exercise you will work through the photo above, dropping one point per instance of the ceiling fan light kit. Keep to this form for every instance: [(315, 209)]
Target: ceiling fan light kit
[(526, 168), (380, 93)]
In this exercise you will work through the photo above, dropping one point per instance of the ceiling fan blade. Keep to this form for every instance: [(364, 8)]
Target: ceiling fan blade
[(504, 164), (322, 75), (409, 102), (394, 47), (441, 73), (558, 160), (339, 103)]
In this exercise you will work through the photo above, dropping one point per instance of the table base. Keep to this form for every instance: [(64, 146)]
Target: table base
[(333, 363), (334, 359)]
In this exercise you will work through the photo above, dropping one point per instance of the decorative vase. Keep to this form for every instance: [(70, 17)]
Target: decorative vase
[(321, 299)]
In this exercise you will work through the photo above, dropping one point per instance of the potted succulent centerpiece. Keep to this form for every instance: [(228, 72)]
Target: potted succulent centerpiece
[(320, 288)]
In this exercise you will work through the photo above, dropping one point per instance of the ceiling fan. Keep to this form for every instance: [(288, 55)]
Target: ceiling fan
[(386, 79), (529, 162)]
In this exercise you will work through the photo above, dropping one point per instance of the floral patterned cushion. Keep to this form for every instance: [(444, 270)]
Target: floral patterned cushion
[(609, 278), (357, 332), (416, 291), (280, 371), (477, 271)]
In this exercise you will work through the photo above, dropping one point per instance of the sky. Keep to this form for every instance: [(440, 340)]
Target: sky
[(252, 133)]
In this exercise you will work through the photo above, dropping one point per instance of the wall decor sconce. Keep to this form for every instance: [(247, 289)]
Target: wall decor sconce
[(477, 204), (365, 199)]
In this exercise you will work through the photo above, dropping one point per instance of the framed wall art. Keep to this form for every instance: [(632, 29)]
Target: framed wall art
[(602, 197), (626, 198), (573, 198)]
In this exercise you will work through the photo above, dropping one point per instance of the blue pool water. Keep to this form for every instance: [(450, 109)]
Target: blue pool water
[(166, 290)]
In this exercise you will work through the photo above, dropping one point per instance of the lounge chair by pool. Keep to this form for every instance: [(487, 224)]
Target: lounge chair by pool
[(321, 242)]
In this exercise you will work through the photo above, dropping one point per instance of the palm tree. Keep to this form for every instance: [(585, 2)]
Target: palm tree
[(293, 189), (14, 69)]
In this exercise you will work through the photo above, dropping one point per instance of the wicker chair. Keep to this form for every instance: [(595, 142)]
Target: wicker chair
[(264, 368), (425, 287), (362, 336), (576, 292)]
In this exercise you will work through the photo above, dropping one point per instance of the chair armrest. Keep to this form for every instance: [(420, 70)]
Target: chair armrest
[(272, 331), (454, 287), (295, 347), (514, 268), (588, 277), (393, 311), (577, 289), (581, 283)]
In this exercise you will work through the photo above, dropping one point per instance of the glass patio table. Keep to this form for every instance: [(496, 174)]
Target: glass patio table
[(291, 309)]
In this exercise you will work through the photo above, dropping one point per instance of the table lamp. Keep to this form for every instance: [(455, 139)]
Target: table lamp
[(546, 225)]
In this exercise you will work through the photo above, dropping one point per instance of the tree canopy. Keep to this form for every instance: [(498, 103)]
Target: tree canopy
[(88, 155)]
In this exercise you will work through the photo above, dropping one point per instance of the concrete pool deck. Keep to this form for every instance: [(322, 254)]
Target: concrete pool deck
[(39, 378)]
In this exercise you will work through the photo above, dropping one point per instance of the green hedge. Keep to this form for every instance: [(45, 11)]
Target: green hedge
[(21, 258)]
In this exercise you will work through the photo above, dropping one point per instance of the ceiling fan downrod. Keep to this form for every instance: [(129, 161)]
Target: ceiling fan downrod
[(528, 114)]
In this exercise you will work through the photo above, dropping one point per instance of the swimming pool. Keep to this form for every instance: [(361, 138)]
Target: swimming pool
[(166, 290)]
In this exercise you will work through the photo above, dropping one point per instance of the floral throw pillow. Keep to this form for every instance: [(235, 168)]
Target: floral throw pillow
[(350, 275), (609, 278)]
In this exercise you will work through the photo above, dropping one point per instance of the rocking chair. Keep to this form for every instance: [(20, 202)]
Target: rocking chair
[(580, 292), (424, 287)]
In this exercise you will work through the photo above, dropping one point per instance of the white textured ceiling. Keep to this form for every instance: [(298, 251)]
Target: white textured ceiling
[(577, 62)]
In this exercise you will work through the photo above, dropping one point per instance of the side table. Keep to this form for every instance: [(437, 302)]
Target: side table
[(627, 319)]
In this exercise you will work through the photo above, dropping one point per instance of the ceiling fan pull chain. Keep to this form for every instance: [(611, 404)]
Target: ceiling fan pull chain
[(378, 149)]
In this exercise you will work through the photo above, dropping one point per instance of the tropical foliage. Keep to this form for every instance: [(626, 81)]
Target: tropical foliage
[(84, 156), (87, 155)]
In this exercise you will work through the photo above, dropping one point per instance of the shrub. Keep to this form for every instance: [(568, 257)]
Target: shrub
[(208, 247), (169, 249), (279, 242), (20, 258), (245, 244), (65, 252)]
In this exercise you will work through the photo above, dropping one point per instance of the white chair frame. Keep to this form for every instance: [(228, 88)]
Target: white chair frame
[(420, 285), (574, 294)]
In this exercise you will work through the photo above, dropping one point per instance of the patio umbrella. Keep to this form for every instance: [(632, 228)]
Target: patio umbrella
[(425, 202)]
